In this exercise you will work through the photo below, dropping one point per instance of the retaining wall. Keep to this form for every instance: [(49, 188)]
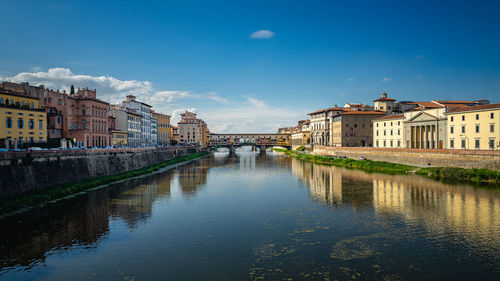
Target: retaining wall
[(420, 157), (22, 172)]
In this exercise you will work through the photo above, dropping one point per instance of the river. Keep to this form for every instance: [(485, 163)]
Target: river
[(259, 217)]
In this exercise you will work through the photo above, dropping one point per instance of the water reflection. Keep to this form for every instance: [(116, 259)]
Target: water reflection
[(443, 209), (252, 216), (79, 222)]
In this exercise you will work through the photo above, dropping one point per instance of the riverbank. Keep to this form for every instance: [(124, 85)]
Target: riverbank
[(12, 203), (449, 174)]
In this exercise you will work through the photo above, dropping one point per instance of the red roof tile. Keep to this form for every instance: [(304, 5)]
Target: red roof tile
[(475, 107), (395, 116)]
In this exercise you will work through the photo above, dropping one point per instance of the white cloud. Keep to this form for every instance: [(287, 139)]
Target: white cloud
[(351, 79), (386, 79), (255, 102), (262, 34), (109, 88), (420, 76), (251, 116), (246, 114)]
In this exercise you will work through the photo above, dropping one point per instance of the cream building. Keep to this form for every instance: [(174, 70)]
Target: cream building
[(384, 104), (320, 124), (474, 127), (192, 130), (388, 131)]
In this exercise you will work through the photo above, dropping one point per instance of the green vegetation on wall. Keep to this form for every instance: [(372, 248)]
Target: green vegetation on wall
[(441, 173)]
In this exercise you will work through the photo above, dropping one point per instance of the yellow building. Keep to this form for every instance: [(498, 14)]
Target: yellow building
[(22, 120), (119, 138), (164, 128), (474, 127)]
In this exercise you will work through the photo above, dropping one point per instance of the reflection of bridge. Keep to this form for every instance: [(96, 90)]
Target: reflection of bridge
[(261, 141)]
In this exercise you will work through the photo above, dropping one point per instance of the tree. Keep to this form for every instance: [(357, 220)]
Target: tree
[(72, 91)]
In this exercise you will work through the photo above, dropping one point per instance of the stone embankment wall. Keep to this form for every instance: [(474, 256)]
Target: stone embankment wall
[(22, 172), (420, 157)]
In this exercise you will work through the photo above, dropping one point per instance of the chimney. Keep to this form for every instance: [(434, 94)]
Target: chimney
[(384, 94)]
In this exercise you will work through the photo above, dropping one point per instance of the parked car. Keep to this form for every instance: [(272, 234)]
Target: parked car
[(362, 158)]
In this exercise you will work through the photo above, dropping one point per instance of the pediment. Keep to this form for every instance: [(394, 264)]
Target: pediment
[(422, 116)]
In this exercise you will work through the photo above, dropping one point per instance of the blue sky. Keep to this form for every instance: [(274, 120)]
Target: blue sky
[(200, 55)]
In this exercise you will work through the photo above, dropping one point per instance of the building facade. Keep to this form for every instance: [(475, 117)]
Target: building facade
[(354, 128), (474, 127), (192, 130), (154, 131), (164, 128), (425, 128), (87, 119), (145, 111), (388, 131), (320, 124), (23, 120)]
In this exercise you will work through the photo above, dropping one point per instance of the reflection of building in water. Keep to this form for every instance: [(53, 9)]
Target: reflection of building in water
[(191, 177), (82, 220), (335, 185), (475, 213), (247, 161)]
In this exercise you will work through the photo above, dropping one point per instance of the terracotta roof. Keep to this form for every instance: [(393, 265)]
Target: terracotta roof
[(364, 112), (454, 102), (474, 108), (394, 116), (384, 99), (328, 109)]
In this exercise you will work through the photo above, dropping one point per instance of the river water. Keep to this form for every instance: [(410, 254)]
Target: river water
[(259, 217)]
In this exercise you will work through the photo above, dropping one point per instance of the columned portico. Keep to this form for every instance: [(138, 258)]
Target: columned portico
[(423, 136)]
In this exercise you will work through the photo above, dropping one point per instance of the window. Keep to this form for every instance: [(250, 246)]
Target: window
[(83, 124), (384, 143), (32, 105), (391, 143), (399, 122), (451, 119), (477, 128), (463, 129), (492, 115), (376, 143), (463, 117), (399, 143), (58, 120), (20, 123), (384, 134), (31, 124), (452, 143), (377, 133), (1, 100), (72, 111), (463, 143), (477, 116), (492, 128), (8, 122), (391, 134), (477, 142), (59, 101), (399, 132), (384, 124), (451, 130), (492, 143)]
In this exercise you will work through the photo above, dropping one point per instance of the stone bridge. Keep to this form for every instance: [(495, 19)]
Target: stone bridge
[(262, 141)]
